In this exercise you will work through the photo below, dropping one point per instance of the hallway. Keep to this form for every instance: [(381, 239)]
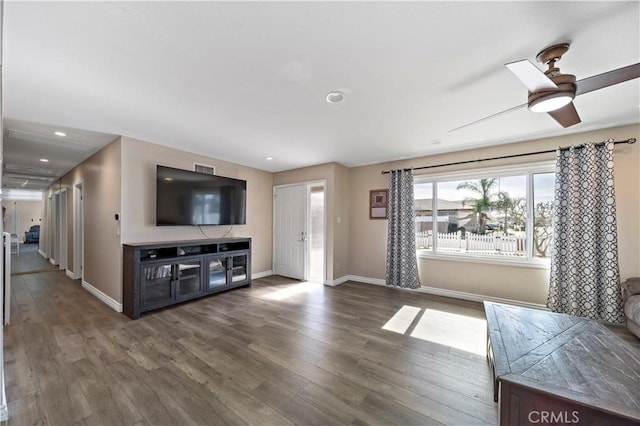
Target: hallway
[(30, 261)]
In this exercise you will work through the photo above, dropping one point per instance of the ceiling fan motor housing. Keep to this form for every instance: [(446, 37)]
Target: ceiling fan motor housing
[(565, 82)]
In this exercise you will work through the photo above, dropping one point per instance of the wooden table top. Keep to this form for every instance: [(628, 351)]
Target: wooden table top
[(571, 357)]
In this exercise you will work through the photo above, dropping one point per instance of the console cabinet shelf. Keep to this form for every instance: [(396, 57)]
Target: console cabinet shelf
[(162, 274)]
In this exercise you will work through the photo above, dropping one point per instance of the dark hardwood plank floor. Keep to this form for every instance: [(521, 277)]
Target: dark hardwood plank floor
[(279, 353), (29, 261)]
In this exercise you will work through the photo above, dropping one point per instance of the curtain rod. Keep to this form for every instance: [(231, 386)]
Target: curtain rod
[(628, 141)]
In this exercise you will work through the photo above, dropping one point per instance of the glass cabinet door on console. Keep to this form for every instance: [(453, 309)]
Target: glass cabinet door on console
[(189, 279), (226, 270), (238, 268), (217, 278), (156, 289)]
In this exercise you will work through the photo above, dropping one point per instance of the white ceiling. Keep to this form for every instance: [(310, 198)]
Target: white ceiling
[(242, 81), (26, 144)]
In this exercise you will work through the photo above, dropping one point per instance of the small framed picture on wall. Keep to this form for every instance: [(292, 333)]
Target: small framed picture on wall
[(378, 199)]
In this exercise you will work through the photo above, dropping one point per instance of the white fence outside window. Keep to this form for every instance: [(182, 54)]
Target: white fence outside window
[(471, 243)]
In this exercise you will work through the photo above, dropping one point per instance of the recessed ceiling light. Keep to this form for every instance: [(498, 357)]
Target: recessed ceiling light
[(44, 160), (60, 134), (269, 158), (335, 97)]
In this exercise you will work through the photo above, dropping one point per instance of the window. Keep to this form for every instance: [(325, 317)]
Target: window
[(499, 213)]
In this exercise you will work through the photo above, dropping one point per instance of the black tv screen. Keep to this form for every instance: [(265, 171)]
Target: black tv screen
[(184, 197)]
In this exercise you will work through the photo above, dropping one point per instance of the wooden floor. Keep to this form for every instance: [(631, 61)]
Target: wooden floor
[(278, 353), (29, 261), (281, 352)]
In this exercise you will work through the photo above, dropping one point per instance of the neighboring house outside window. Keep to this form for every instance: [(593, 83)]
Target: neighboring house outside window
[(500, 213)]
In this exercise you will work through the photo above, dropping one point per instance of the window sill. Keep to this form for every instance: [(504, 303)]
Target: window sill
[(520, 263)]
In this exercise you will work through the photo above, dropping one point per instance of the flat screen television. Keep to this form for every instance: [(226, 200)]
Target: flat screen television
[(185, 198)]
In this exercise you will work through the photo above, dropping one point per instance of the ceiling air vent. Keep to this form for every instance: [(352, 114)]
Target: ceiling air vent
[(203, 168)]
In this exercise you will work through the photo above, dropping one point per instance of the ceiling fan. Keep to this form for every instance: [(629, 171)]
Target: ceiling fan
[(553, 92)]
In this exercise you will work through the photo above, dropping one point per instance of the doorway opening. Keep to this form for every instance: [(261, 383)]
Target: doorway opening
[(299, 231), (316, 233), (31, 251)]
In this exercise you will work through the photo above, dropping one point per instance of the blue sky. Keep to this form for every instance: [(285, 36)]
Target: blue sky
[(514, 185)]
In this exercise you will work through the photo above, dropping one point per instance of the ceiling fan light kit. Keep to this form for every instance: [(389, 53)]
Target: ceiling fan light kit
[(546, 102)]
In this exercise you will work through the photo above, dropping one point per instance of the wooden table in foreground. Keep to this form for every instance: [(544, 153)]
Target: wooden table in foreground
[(559, 369)]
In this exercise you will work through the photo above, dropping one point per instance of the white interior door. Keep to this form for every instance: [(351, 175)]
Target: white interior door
[(290, 231)]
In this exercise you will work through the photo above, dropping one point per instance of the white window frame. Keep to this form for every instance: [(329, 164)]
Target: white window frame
[(527, 169)]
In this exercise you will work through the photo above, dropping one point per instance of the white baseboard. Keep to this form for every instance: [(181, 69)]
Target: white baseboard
[(43, 254), (367, 280), (333, 283), (261, 274), (451, 293), (113, 304), (477, 297), (52, 261), (72, 275), (4, 409)]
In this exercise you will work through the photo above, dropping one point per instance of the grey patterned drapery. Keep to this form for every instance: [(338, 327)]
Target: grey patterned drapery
[(402, 263), (585, 279)]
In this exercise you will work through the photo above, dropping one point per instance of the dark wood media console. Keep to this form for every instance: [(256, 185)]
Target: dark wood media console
[(156, 275)]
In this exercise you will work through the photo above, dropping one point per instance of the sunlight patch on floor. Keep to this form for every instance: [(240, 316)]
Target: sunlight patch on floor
[(401, 320), (292, 290), (454, 330), (458, 331)]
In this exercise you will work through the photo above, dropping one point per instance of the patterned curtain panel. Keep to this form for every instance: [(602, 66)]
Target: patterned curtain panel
[(402, 263), (585, 279)]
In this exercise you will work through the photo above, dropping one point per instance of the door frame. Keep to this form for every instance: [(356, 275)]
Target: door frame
[(78, 231), (51, 226), (307, 185), (61, 228)]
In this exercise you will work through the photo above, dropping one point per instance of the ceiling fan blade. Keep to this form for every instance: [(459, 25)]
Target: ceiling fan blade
[(566, 116), (531, 76), (491, 116), (607, 79)]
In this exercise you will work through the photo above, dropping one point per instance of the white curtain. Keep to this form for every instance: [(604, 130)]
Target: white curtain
[(402, 263), (585, 279)]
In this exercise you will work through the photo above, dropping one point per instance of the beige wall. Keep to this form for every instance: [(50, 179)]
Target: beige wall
[(100, 177), (29, 212), (367, 237), (121, 179), (139, 160), (337, 210), (341, 242)]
